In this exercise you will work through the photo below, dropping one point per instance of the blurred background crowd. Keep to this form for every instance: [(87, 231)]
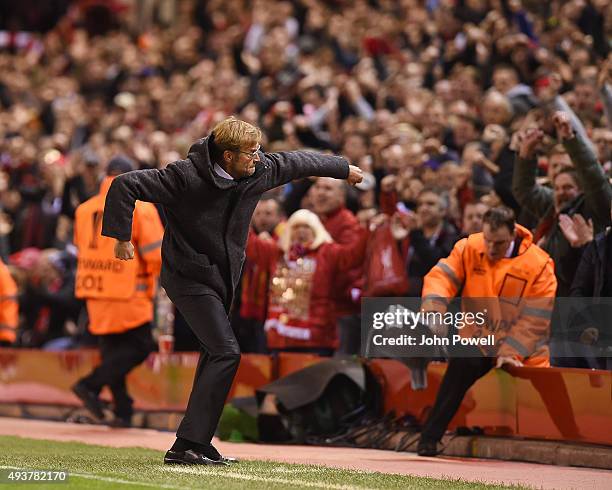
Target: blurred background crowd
[(431, 98)]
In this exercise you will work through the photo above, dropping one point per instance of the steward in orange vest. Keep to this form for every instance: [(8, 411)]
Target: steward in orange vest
[(119, 295), (517, 292), (9, 309), (504, 271)]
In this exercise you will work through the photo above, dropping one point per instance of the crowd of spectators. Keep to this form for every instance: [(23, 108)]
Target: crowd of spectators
[(446, 105)]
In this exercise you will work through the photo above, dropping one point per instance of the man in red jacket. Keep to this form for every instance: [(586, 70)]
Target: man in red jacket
[(328, 197)]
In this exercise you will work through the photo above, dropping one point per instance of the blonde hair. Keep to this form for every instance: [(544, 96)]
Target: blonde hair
[(234, 134), (306, 217)]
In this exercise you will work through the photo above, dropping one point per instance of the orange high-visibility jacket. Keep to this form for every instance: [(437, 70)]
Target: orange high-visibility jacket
[(119, 293), (519, 294), (9, 307)]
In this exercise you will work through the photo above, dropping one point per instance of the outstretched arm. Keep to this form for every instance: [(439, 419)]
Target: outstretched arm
[(287, 166), (442, 283), (529, 195), (597, 189), (260, 251)]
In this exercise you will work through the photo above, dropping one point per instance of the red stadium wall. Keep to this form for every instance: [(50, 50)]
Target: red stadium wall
[(556, 404)]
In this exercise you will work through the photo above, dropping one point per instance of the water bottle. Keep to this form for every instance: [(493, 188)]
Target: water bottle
[(165, 323)]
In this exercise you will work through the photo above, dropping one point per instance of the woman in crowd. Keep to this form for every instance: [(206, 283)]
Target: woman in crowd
[(302, 266)]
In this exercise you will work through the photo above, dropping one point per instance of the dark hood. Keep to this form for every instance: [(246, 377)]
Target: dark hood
[(200, 156)]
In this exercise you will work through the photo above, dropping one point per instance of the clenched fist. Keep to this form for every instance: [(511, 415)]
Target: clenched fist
[(531, 138), (563, 126), (355, 175), (124, 250)]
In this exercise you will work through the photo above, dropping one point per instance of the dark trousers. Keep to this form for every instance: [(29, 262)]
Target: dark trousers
[(120, 353), (250, 334), (461, 373), (349, 335), (217, 366)]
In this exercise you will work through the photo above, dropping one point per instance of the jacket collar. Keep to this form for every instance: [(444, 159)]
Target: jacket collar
[(200, 156), (526, 238), (521, 233)]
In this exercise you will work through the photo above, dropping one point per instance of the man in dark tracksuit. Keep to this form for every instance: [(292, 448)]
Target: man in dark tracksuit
[(209, 199)]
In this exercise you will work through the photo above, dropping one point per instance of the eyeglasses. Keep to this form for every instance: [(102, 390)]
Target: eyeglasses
[(250, 154)]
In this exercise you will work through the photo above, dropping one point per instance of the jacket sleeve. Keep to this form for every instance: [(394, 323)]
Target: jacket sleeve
[(388, 202), (150, 234), (164, 186), (445, 279), (532, 327), (606, 97), (583, 284), (349, 231), (262, 252), (559, 104), (284, 167), (349, 255), (597, 189), (529, 195)]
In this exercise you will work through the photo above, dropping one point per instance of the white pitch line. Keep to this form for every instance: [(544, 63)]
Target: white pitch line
[(284, 481)]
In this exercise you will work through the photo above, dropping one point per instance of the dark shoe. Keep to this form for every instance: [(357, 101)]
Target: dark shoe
[(427, 448), (89, 399), (190, 457), (212, 453)]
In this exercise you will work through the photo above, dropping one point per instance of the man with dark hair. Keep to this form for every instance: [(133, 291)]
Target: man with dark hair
[(585, 191), (558, 159), (504, 274), (209, 199), (425, 236), (506, 81), (473, 215), (465, 130), (328, 199)]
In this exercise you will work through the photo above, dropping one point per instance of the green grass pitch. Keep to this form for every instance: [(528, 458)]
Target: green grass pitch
[(98, 467)]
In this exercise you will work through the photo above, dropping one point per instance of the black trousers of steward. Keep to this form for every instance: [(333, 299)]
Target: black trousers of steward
[(120, 353), (460, 375)]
